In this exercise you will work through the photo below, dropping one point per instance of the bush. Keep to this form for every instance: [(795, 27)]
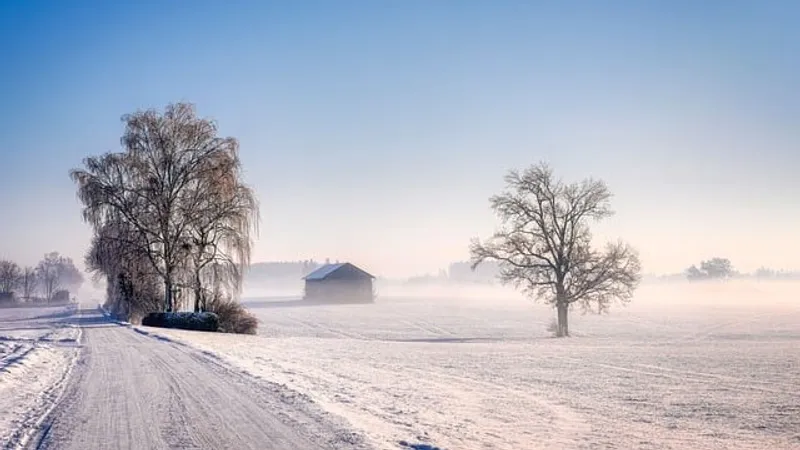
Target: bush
[(233, 317), (205, 321), (7, 297)]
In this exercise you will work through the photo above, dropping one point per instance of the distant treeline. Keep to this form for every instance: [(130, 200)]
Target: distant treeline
[(283, 272), (48, 282), (722, 269), (294, 271), (776, 274)]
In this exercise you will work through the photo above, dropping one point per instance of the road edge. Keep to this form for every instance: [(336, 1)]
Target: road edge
[(40, 427)]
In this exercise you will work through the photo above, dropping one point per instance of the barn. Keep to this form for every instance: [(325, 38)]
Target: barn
[(339, 283)]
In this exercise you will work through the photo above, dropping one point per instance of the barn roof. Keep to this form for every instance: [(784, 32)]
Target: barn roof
[(326, 270)]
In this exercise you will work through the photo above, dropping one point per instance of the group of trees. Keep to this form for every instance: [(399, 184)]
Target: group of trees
[(170, 213), (277, 271), (712, 269), (52, 274), (722, 269)]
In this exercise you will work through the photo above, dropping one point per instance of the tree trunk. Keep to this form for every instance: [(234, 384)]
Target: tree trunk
[(562, 305), (197, 290), (168, 294), (563, 311), (563, 317), (563, 320)]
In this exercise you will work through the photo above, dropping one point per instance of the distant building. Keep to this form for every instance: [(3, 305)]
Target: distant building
[(339, 283), (61, 296)]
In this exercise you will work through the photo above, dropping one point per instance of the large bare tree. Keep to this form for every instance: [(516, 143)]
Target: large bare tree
[(172, 186), (9, 276), (28, 282), (55, 272), (544, 245)]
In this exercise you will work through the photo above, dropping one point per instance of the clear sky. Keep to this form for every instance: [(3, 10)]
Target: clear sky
[(375, 131)]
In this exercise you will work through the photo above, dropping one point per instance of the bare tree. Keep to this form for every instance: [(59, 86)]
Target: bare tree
[(544, 244), (9, 276), (55, 272), (159, 187), (49, 271), (28, 282), (71, 276), (131, 282), (222, 215)]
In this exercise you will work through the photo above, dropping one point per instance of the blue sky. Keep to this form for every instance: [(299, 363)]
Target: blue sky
[(375, 131)]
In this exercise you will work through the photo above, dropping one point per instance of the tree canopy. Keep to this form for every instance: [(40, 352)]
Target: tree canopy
[(171, 205), (544, 243)]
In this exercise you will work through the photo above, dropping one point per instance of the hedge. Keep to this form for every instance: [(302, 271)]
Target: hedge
[(204, 321)]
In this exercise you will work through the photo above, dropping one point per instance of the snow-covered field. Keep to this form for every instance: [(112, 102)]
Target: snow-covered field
[(37, 349), (683, 366)]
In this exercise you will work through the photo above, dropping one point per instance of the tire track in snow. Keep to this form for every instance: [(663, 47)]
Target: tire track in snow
[(715, 377), (136, 391), (327, 329), (428, 327), (709, 331), (34, 421), (667, 373)]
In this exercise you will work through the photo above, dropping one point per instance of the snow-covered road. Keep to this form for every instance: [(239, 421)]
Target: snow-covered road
[(130, 390)]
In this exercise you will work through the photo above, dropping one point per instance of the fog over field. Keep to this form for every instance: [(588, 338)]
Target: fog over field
[(700, 365), (416, 225)]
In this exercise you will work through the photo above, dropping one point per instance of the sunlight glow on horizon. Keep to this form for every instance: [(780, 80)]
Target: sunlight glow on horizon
[(376, 134)]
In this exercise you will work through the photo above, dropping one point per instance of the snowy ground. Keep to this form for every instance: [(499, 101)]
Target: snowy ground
[(703, 366), (132, 390), (37, 350)]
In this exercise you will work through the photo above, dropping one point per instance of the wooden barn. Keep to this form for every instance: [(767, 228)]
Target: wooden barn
[(339, 283)]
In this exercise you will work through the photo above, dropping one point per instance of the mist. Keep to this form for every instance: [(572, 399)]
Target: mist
[(703, 303), (419, 225)]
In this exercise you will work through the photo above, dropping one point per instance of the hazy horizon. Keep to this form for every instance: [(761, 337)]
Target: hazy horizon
[(375, 133)]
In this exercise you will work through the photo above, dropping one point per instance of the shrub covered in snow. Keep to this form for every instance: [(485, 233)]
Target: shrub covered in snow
[(7, 297), (205, 321), (233, 317)]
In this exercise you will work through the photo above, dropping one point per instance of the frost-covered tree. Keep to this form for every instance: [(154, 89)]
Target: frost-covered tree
[(544, 244), (9, 276), (177, 192), (28, 282), (55, 272)]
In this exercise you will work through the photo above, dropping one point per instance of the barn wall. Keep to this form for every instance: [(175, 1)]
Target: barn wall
[(339, 291)]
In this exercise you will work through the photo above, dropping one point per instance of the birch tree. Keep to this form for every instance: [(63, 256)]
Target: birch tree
[(544, 244), (171, 185)]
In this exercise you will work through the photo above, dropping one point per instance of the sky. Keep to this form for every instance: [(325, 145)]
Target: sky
[(376, 131)]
